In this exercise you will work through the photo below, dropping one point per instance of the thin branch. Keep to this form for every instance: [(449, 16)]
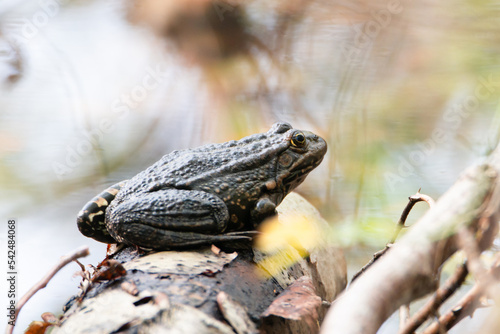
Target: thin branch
[(375, 257), (404, 315), (78, 253), (472, 246), (439, 297), (404, 310), (469, 303), (466, 307), (413, 199), (408, 271)]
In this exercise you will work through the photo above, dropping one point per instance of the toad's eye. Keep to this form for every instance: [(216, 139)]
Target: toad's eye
[(298, 139)]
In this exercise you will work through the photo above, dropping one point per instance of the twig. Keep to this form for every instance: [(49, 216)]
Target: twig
[(413, 199), (78, 253), (439, 297), (408, 271), (466, 240), (375, 257), (404, 310), (469, 303), (404, 315)]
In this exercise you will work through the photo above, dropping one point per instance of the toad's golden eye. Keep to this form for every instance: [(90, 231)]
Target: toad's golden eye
[(298, 139)]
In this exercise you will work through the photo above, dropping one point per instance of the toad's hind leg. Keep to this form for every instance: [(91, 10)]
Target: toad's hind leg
[(170, 218), (90, 219), (153, 238)]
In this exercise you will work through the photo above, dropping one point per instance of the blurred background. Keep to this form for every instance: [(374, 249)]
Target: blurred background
[(406, 94)]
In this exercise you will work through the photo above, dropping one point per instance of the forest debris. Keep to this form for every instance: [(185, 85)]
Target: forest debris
[(38, 327), (298, 302), (216, 250), (109, 270), (50, 317), (130, 288)]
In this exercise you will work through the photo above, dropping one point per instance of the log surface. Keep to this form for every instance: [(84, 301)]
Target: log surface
[(207, 291)]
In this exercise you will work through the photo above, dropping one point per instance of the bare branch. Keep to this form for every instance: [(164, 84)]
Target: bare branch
[(78, 253), (410, 268), (375, 257), (404, 315), (413, 199), (468, 304), (433, 304)]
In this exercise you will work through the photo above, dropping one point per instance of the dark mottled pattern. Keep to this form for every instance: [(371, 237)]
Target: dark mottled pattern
[(200, 195), (91, 219)]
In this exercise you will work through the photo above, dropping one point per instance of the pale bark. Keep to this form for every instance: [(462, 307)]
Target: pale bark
[(409, 270)]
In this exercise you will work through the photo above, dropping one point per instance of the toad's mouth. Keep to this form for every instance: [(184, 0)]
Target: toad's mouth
[(298, 173)]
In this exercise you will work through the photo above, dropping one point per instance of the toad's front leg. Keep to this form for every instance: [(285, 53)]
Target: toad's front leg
[(264, 208), (170, 218)]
